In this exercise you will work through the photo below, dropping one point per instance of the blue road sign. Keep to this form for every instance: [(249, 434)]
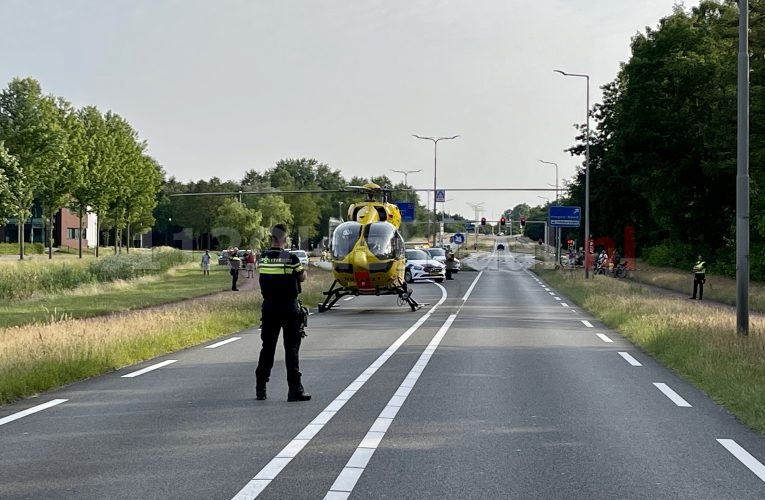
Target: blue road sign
[(564, 216), (440, 196), (459, 238), (407, 210)]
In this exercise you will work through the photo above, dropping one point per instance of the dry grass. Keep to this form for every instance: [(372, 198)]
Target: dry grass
[(37, 357)]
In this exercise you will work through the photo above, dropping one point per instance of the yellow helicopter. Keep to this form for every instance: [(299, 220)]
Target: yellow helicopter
[(368, 254)]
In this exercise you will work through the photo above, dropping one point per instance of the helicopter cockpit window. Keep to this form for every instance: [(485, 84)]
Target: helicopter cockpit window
[(344, 238), (383, 240)]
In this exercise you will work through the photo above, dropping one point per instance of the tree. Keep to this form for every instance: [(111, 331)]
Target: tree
[(30, 127), (240, 224)]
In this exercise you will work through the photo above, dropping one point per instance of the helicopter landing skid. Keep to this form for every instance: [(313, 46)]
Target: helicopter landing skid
[(333, 295), (405, 295)]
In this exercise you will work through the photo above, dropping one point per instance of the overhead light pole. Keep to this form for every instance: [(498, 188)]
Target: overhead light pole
[(435, 173), (406, 176), (586, 174), (557, 229)]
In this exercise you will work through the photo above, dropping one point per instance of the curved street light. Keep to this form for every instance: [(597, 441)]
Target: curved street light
[(435, 172), (586, 173)]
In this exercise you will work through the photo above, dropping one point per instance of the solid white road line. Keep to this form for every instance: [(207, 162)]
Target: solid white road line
[(744, 457), (268, 473), (630, 359), (349, 476), (149, 368), (604, 337), (30, 411), (223, 342), (675, 397)]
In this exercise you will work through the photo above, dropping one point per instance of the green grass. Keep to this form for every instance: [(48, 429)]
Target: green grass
[(696, 340), (96, 300)]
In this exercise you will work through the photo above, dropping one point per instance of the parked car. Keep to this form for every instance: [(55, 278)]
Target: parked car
[(302, 255), (439, 254), (420, 266)]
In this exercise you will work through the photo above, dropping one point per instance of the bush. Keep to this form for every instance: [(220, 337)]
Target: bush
[(668, 254), (24, 280)]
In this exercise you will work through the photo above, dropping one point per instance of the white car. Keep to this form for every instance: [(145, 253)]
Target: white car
[(302, 255), (439, 254), (420, 266)]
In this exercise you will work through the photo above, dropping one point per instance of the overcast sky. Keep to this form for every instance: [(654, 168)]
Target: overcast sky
[(220, 87)]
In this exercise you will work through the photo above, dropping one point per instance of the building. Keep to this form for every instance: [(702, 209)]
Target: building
[(65, 229)]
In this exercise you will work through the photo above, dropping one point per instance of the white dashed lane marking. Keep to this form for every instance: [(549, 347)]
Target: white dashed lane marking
[(744, 457), (222, 342), (149, 368), (30, 411), (630, 359), (675, 397)]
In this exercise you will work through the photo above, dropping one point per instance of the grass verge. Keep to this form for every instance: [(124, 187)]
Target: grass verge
[(63, 348), (696, 340)]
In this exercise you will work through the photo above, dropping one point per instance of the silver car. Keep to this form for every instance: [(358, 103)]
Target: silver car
[(302, 255), (439, 254)]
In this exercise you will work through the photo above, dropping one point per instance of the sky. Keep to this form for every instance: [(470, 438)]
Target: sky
[(217, 88)]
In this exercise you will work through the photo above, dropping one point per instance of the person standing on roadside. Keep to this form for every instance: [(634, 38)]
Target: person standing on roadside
[(250, 261), (234, 265), (280, 276), (206, 263), (450, 265), (699, 278)]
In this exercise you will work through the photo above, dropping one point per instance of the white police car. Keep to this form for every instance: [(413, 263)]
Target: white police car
[(420, 266), (302, 255)]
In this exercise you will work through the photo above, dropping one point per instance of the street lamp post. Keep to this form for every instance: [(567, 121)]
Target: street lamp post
[(340, 209), (435, 173), (406, 177), (586, 174), (557, 229)]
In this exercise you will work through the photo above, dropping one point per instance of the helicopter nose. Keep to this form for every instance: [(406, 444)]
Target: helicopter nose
[(361, 270)]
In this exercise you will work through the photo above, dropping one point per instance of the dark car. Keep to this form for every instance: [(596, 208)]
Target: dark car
[(223, 257)]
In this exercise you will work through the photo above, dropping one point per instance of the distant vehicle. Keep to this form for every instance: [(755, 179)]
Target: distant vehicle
[(302, 255), (500, 247), (420, 266), (439, 254)]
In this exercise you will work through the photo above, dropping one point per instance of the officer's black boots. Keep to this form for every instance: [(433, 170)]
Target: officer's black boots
[(260, 392), (298, 394)]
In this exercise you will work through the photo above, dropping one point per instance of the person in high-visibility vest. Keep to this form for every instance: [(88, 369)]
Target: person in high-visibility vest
[(699, 278)]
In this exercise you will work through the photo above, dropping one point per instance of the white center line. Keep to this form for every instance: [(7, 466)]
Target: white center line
[(262, 479), (149, 368), (630, 359), (30, 411), (604, 337), (348, 477), (744, 457), (223, 342), (675, 397)]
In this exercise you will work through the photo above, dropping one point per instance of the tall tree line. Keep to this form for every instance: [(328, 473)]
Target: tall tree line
[(663, 149), (80, 159)]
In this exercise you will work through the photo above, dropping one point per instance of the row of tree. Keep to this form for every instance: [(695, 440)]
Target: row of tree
[(663, 149), (81, 159), (306, 195)]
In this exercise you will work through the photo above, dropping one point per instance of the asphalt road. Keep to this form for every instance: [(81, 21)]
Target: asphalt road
[(498, 388)]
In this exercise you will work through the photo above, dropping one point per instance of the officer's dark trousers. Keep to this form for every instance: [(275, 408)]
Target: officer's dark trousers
[(274, 320), (698, 285), (234, 278)]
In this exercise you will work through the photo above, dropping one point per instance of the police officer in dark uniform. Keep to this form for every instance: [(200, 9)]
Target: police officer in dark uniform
[(280, 276)]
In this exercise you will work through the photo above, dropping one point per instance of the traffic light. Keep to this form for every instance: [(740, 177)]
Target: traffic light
[(523, 221), (483, 221), (502, 222)]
